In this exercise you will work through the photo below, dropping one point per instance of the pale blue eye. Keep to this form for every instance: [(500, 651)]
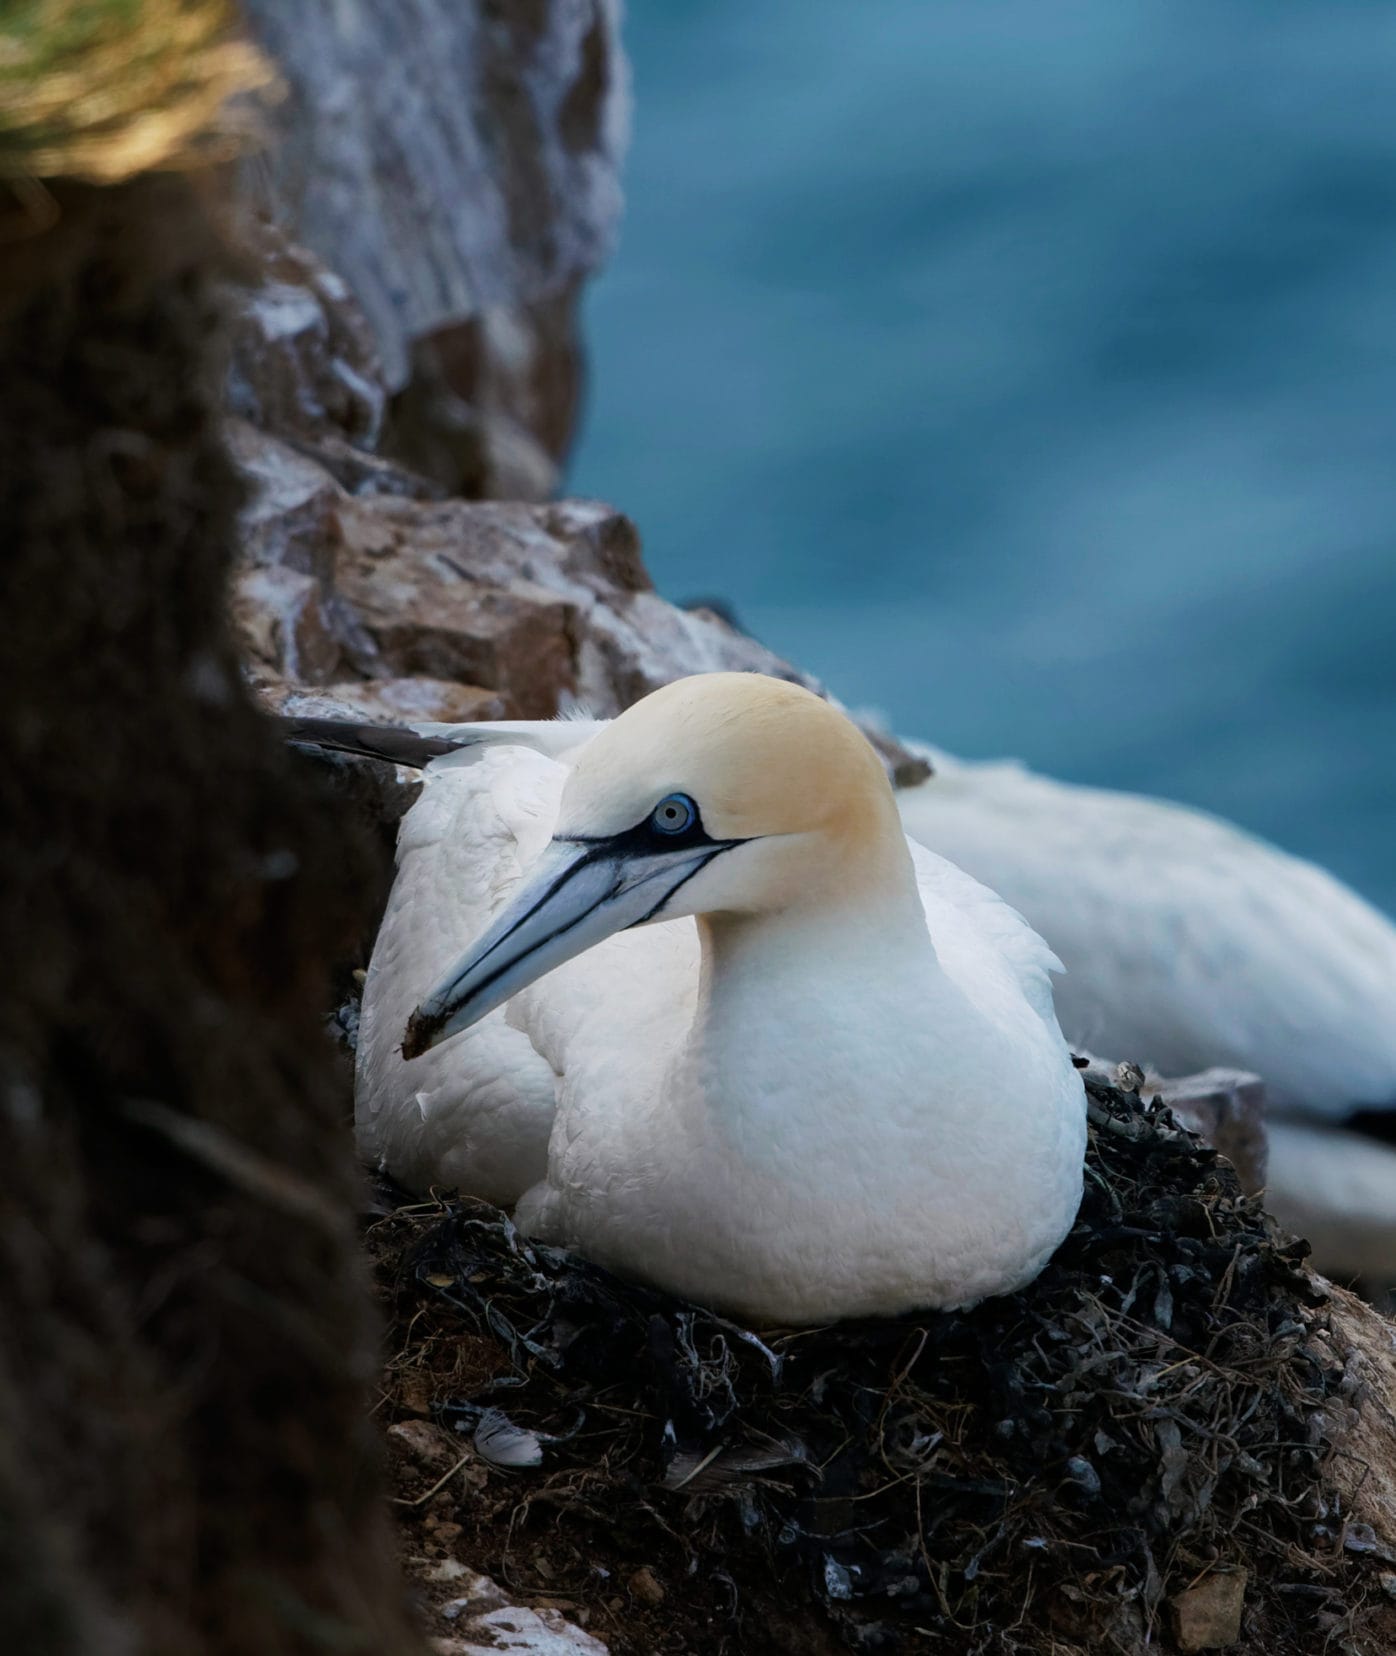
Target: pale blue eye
[(674, 814)]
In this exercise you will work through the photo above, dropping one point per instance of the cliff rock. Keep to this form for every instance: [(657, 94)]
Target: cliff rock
[(457, 163)]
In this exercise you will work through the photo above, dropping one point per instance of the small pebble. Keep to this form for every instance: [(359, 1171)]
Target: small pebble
[(647, 1587), (1207, 1616)]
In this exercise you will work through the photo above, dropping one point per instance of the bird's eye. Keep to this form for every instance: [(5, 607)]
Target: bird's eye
[(674, 814)]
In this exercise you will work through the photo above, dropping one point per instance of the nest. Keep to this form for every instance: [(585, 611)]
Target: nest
[(1047, 1471)]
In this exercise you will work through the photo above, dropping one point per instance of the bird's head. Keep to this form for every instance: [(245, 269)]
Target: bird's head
[(720, 794)]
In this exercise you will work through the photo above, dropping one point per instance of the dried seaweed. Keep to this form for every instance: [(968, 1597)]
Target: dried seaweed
[(1047, 1467)]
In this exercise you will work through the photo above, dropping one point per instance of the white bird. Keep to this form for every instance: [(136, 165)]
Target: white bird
[(831, 1084), (1187, 942), (1190, 944)]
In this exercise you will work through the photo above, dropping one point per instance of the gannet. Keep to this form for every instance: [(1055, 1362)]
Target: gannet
[(830, 1083), (1187, 942)]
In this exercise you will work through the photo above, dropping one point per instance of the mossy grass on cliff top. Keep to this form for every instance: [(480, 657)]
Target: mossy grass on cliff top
[(103, 90)]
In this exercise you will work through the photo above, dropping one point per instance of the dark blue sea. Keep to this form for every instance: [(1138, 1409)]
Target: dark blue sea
[(1028, 371)]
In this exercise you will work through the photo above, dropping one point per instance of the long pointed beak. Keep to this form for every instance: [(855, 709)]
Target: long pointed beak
[(574, 896)]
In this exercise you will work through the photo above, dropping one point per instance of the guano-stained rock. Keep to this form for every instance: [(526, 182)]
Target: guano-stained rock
[(533, 605), (486, 1621), (468, 161), (302, 358), (462, 175)]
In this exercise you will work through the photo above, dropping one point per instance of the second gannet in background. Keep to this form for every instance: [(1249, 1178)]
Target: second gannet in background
[(1187, 942), (830, 1084)]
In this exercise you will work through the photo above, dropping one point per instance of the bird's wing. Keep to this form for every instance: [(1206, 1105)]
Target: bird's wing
[(477, 1110), (555, 738), (978, 937), (1187, 943), (419, 746)]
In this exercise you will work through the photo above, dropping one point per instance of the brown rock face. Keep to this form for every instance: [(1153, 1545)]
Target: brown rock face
[(492, 403), (462, 174), (185, 1462), (1368, 1427), (302, 359), (355, 571), (537, 604)]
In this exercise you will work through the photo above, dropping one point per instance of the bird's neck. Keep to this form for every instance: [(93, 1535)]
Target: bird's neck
[(858, 903), (799, 1009), (832, 935)]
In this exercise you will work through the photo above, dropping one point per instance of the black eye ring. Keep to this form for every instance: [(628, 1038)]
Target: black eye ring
[(674, 814)]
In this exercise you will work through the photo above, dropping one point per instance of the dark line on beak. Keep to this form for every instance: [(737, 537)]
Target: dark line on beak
[(696, 869), (417, 1037), (552, 891), (421, 1027)]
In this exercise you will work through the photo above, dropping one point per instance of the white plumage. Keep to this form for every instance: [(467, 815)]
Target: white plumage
[(1187, 942), (474, 1114), (839, 1091)]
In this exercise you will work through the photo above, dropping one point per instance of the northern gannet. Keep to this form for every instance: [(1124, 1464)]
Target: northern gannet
[(832, 1084), (1189, 943)]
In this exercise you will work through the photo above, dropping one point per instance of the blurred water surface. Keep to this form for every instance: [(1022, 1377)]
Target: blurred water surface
[(1029, 371)]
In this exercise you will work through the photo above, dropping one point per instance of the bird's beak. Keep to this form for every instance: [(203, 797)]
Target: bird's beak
[(575, 895)]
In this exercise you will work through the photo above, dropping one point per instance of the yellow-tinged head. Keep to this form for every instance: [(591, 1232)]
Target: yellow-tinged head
[(759, 757), (724, 794)]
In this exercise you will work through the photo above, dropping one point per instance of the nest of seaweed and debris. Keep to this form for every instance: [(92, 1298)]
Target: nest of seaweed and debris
[(1044, 1472)]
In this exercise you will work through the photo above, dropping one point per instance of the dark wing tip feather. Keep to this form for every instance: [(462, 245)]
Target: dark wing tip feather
[(398, 744)]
